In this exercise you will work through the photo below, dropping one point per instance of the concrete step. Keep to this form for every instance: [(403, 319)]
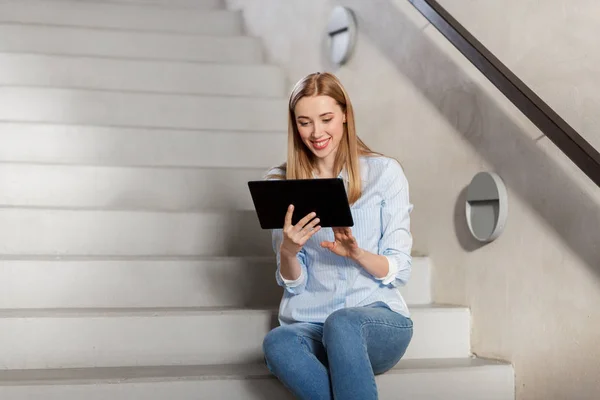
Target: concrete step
[(122, 16), (137, 282), (94, 145), (126, 188), (67, 106), (22, 38), (453, 379), (121, 337), (126, 233), (139, 75), (194, 4)]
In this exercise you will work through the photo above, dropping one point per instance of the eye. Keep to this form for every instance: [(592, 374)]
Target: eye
[(303, 123), (327, 120)]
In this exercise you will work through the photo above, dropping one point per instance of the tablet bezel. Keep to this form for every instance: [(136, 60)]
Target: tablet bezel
[(327, 197)]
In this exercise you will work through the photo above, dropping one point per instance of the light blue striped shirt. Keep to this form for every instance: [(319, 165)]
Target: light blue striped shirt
[(381, 226)]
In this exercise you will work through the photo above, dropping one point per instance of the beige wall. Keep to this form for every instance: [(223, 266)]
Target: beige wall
[(535, 292), (552, 45)]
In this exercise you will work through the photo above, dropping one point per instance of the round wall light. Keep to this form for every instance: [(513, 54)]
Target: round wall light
[(341, 35), (486, 206)]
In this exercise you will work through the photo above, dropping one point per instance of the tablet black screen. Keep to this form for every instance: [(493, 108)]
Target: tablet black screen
[(326, 197)]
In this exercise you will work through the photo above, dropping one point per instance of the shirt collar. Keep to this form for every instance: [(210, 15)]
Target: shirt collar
[(343, 175)]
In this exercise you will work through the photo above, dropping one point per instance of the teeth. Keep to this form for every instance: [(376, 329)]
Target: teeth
[(321, 143)]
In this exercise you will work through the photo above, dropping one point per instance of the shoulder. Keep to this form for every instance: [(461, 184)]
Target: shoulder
[(385, 170), (277, 172)]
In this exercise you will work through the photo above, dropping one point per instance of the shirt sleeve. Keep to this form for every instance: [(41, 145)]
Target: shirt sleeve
[(396, 239), (292, 286), (296, 286)]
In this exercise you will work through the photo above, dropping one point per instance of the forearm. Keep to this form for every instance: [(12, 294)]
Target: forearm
[(375, 264), (290, 268)]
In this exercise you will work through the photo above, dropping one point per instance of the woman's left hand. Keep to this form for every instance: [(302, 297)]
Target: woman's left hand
[(345, 244)]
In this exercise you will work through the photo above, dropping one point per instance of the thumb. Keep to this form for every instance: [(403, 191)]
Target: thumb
[(328, 245)]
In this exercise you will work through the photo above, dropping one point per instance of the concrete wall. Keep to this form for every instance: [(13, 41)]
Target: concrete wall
[(534, 293)]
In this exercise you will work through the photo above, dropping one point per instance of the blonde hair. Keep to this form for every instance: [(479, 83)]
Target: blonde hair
[(300, 160)]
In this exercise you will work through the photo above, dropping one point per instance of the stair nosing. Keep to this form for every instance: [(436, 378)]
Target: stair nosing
[(149, 258), (117, 258), (140, 167), (237, 36), (151, 5), (133, 210), (199, 131), (138, 5), (172, 311), (132, 312), (146, 92), (149, 59), (138, 127), (210, 372), (141, 59), (281, 99)]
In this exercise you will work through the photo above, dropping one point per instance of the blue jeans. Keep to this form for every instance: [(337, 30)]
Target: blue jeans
[(340, 358)]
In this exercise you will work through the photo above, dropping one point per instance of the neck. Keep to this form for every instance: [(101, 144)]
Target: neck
[(325, 167)]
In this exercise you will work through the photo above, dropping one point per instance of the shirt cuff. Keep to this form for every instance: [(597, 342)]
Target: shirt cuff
[(293, 283), (393, 270)]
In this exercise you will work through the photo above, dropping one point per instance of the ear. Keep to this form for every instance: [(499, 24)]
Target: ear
[(344, 120)]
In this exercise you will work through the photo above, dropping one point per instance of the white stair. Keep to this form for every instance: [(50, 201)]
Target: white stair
[(61, 40), (132, 264), (122, 16), (166, 189), (154, 282), (97, 232), (110, 338), (98, 145), (193, 4), (65, 106), (450, 379), (140, 75)]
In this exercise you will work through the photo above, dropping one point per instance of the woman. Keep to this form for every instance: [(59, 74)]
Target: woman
[(343, 319)]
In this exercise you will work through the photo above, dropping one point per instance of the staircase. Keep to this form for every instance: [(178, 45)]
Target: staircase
[(132, 265)]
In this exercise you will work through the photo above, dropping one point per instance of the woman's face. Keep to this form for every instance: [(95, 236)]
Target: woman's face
[(320, 121)]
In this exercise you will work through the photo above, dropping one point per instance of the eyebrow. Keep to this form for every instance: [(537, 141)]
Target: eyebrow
[(322, 115)]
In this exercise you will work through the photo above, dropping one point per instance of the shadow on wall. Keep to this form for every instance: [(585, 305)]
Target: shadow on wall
[(466, 240), (531, 174)]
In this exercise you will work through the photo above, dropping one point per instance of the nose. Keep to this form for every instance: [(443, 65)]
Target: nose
[(318, 131)]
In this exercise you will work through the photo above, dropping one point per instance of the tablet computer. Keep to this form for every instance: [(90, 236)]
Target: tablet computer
[(326, 197)]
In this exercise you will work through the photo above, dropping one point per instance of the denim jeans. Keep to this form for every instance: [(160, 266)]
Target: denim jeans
[(340, 358)]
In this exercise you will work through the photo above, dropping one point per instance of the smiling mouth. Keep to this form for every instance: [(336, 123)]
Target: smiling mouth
[(321, 144)]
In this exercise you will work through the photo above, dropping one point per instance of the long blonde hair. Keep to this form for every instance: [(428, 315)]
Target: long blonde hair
[(300, 160)]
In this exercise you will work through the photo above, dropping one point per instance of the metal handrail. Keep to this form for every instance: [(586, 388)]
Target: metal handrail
[(579, 150)]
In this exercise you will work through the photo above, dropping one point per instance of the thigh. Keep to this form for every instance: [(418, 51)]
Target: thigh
[(284, 341), (385, 333)]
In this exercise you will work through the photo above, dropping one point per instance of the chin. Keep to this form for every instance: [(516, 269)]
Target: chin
[(323, 154)]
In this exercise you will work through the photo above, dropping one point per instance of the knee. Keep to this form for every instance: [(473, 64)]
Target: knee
[(340, 324), (276, 345)]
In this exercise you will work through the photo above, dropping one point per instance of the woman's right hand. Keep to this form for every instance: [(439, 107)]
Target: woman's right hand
[(295, 236)]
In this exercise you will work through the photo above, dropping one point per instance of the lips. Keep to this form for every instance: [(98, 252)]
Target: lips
[(321, 144)]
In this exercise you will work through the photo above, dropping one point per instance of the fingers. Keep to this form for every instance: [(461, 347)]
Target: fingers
[(309, 227), (353, 242), (339, 234), (309, 235), (308, 230), (348, 233), (343, 233), (288, 217), (305, 221)]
